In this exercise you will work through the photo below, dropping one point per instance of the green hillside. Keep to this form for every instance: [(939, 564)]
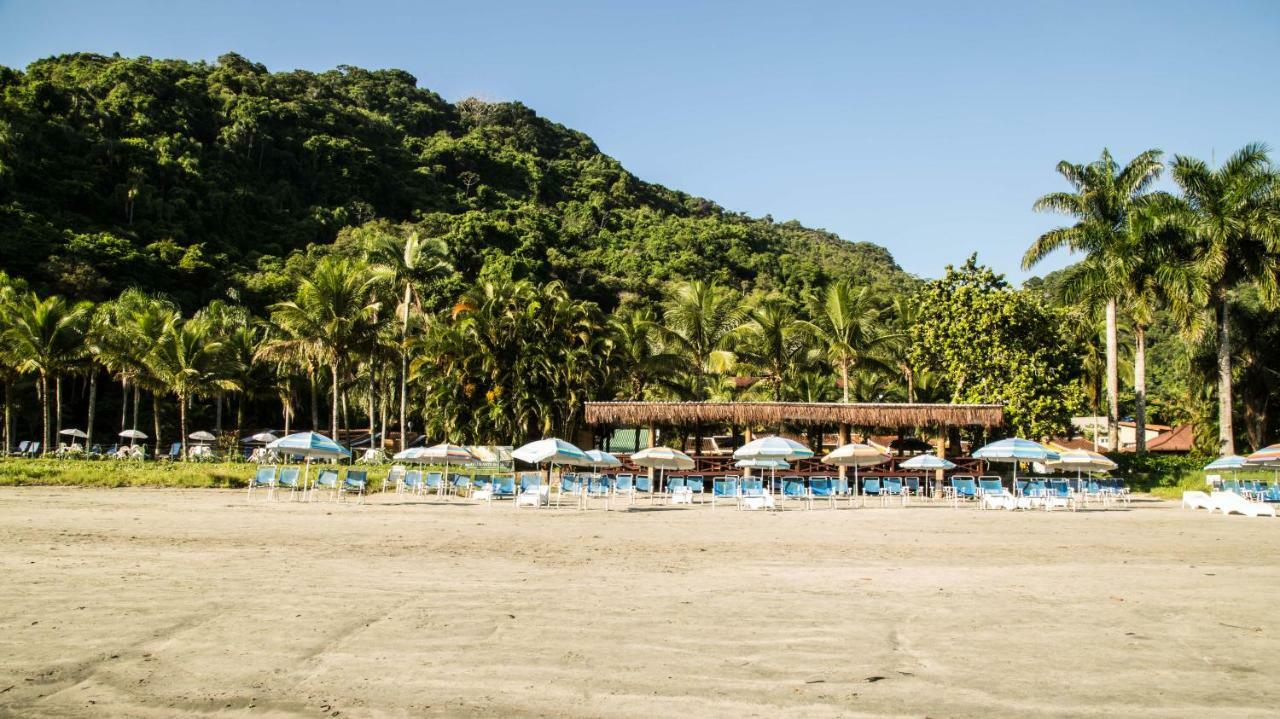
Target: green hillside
[(197, 179)]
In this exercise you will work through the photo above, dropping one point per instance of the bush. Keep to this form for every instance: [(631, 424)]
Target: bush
[(1169, 475), (112, 473)]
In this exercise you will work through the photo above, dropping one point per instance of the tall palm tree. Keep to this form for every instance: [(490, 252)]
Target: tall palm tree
[(847, 324), (9, 359), (407, 261), (331, 312), (47, 337), (700, 318), (1231, 216), (189, 362), (1103, 200)]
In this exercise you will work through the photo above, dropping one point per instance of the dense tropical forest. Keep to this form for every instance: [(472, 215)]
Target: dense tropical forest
[(192, 245)]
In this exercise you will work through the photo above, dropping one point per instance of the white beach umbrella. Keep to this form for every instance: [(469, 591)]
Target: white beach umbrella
[(202, 436), (928, 462), (773, 447), (599, 458), (550, 451), (663, 459), (132, 434), (855, 454), (1081, 460), (78, 434), (773, 465), (262, 438)]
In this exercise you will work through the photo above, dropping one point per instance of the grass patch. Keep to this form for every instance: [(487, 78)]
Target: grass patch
[(16, 472)]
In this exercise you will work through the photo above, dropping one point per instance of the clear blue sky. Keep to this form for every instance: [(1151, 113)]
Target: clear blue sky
[(925, 127)]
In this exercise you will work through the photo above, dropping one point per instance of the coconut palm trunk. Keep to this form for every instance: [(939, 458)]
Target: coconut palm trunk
[(333, 415), (93, 407), (182, 423), (155, 417), (57, 395), (1113, 380), (1140, 387), (1226, 434), (44, 409), (8, 415)]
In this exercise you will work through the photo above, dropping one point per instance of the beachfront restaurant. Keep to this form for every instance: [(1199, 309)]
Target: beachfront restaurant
[(625, 427)]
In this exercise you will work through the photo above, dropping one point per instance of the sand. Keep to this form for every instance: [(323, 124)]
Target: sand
[(162, 603)]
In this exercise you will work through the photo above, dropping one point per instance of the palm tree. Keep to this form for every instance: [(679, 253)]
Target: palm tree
[(407, 261), (1103, 201), (775, 342), (188, 361), (846, 324), (1231, 216), (47, 337), (700, 318), (637, 354), (9, 359), (330, 314)]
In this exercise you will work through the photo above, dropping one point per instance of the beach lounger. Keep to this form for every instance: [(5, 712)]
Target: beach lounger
[(533, 492), (822, 489), (911, 487), (891, 488), (1233, 503), (393, 479), (433, 482), (1197, 500), (289, 479), (643, 487), (992, 494), (697, 485), (624, 485), (175, 452), (21, 451), (504, 485), (1058, 495), (33, 449), (1272, 494), (264, 477), (871, 488), (794, 490), (326, 479), (458, 484), (570, 486), (354, 483), (411, 482), (724, 489), (753, 495), (962, 489)]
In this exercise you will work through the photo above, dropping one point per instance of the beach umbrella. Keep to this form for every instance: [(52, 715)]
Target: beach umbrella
[(444, 453), (78, 434), (663, 459), (599, 458), (132, 434), (1229, 463), (1267, 457), (1081, 460), (550, 451), (928, 462), (309, 445), (202, 436), (1016, 450), (855, 454), (261, 438), (773, 447), (773, 465)]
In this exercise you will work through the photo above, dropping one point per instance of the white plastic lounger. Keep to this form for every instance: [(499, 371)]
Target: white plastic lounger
[(1230, 502), (1197, 500)]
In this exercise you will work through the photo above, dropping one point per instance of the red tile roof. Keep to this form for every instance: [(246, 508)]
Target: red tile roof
[(1178, 440)]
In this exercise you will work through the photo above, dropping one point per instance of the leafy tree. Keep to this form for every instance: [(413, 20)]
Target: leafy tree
[(46, 337), (989, 343), (700, 319), (189, 362), (847, 325)]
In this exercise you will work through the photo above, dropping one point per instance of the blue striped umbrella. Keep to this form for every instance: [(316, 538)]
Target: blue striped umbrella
[(773, 447), (1231, 462), (1016, 450), (928, 461), (550, 451), (309, 445)]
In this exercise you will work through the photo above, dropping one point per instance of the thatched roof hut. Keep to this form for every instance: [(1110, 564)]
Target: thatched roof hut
[(869, 414)]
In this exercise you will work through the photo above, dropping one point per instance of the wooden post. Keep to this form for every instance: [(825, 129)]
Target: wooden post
[(942, 453), (652, 443), (844, 439)]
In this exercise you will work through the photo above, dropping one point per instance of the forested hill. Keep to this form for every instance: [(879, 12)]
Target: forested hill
[(199, 179)]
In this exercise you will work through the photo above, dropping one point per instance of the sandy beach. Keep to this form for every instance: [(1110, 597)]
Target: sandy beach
[(162, 603)]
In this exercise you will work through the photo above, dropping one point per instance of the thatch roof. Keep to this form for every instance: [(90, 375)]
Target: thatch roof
[(882, 414)]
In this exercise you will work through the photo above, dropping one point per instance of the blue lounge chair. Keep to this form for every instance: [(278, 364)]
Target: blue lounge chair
[(393, 479), (504, 485), (991, 491), (871, 488), (326, 479), (963, 489), (793, 490), (21, 451), (911, 486), (355, 481), (624, 485), (696, 484), (264, 477), (751, 487), (892, 487), (433, 482), (532, 490), (1272, 494), (1059, 494), (412, 482), (724, 488), (822, 489), (289, 480), (643, 486), (458, 483), (570, 486)]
